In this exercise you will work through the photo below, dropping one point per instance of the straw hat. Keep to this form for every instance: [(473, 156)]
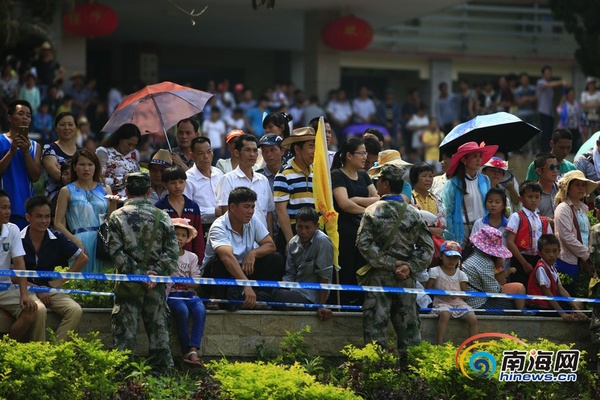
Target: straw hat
[(185, 223), (498, 163), (468, 148), (387, 157), (590, 79), (565, 181), (299, 135), (489, 240), (162, 157)]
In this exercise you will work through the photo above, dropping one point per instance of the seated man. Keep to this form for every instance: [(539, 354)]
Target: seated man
[(46, 249), (20, 304), (309, 259), (232, 251)]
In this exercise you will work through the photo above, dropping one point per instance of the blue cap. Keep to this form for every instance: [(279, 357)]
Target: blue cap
[(270, 139), (451, 248)]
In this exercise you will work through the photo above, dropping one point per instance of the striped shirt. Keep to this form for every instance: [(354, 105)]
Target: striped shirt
[(295, 187)]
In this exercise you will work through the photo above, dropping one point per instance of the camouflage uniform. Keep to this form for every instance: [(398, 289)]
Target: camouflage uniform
[(412, 243), (594, 288), (130, 228)]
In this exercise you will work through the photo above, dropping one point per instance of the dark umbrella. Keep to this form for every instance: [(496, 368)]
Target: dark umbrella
[(503, 129)]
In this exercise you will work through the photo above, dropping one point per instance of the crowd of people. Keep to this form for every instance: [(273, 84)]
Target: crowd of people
[(235, 200)]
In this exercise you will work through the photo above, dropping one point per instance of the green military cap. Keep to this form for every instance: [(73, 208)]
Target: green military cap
[(137, 180), (391, 172)]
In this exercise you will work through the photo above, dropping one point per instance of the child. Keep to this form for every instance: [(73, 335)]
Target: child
[(524, 229), (177, 205), (187, 266), (545, 280), (42, 122), (309, 259), (215, 130), (464, 195), (448, 276)]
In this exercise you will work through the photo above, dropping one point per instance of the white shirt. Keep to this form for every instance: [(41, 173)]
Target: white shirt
[(203, 190), (363, 108), (473, 203), (11, 247), (536, 228), (543, 278), (222, 234), (259, 183), (215, 132), (341, 111)]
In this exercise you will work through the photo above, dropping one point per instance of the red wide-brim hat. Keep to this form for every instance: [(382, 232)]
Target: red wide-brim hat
[(487, 152)]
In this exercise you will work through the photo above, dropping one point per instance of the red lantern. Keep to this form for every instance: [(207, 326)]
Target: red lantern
[(90, 20), (347, 33)]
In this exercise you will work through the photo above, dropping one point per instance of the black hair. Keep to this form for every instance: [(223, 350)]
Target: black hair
[(241, 195), (215, 109), (376, 132), (239, 141), (548, 239), (372, 146), (561, 133), (308, 214), (540, 159), (313, 98), (37, 201), (12, 106), (4, 193), (125, 131), (395, 186), (349, 146), (199, 139), (544, 68), (137, 191), (61, 115), (499, 192), (532, 186), (314, 123), (192, 121), (279, 119), (417, 170), (174, 173)]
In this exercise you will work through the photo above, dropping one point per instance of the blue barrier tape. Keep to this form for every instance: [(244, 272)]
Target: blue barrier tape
[(274, 284), (45, 289)]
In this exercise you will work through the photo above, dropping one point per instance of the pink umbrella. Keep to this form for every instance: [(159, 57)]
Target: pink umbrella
[(158, 107)]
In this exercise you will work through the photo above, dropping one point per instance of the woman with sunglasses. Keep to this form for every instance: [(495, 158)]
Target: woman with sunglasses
[(546, 166)]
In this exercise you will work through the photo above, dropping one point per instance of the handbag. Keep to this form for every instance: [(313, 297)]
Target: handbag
[(362, 274), (132, 290), (102, 252)]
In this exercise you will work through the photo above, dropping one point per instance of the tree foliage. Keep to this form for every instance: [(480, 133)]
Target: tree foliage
[(582, 19)]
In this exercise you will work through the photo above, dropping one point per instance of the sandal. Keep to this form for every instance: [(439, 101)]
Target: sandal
[(192, 359)]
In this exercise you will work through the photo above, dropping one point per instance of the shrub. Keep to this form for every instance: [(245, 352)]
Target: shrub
[(256, 381), (78, 369)]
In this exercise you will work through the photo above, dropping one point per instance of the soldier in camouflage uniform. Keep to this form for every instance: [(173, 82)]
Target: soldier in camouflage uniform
[(395, 263), (130, 229)]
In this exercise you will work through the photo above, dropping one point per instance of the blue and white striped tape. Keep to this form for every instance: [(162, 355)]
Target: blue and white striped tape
[(274, 284)]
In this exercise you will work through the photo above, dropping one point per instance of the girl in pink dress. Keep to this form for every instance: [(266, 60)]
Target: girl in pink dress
[(449, 276)]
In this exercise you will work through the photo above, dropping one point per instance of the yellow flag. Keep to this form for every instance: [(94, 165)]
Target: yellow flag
[(322, 191)]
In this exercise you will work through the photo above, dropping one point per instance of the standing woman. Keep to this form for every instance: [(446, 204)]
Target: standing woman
[(572, 226), (279, 124), (590, 102), (118, 156), (57, 153), (83, 205), (353, 191), (464, 194)]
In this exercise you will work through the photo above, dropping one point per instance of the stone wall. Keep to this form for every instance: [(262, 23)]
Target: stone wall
[(236, 334)]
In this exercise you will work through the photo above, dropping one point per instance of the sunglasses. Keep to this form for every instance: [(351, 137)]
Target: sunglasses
[(552, 167)]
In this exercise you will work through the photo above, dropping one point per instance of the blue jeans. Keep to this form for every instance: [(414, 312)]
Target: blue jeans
[(181, 309)]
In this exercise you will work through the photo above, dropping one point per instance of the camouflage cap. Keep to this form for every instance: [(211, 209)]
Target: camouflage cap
[(391, 172), (597, 202), (137, 180)]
